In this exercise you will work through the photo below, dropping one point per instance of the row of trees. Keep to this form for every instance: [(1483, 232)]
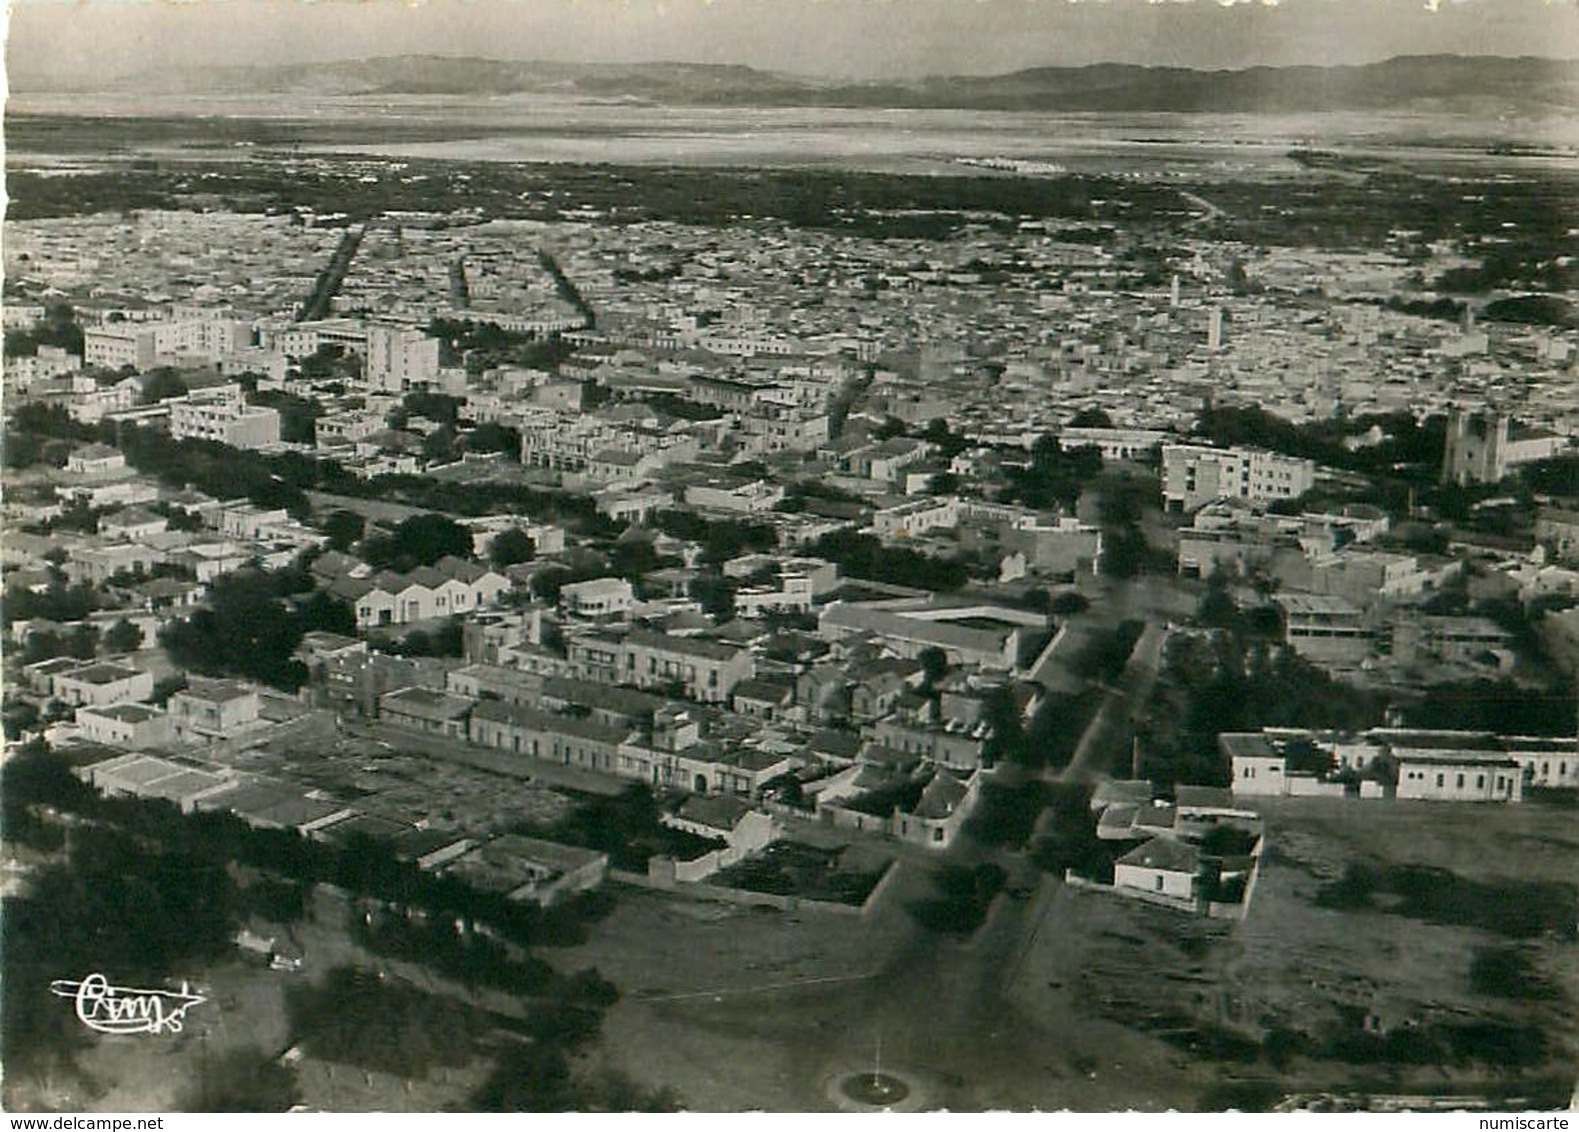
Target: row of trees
[(1238, 678), (59, 327), (282, 480), (147, 895)]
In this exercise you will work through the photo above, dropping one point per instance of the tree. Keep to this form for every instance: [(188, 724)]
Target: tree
[(325, 613), (1055, 477), (934, 665), (440, 446), (83, 641), (716, 594), (1091, 418), (528, 1078), (1217, 609), (494, 437), (438, 407), (1068, 603), (242, 1080), (511, 547), (418, 541), (245, 630), (123, 636), (20, 716), (298, 415), (343, 528), (161, 384)]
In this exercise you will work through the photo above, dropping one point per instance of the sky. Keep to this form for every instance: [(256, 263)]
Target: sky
[(847, 39)]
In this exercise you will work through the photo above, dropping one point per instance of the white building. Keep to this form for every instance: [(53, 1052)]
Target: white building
[(222, 415), (1194, 475), (600, 597), (135, 726), (102, 684), (400, 359)]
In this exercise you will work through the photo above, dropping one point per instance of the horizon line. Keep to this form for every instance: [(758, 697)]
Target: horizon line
[(15, 73)]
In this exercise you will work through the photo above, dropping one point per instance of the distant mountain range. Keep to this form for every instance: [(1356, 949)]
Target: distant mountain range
[(1430, 82)]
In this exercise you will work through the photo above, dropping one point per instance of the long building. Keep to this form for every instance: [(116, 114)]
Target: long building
[(700, 669), (992, 636), (1424, 765)]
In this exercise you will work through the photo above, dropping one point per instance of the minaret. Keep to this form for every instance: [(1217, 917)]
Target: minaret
[(1214, 330)]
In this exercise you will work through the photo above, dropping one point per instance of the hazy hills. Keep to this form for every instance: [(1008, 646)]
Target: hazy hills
[(1526, 86)]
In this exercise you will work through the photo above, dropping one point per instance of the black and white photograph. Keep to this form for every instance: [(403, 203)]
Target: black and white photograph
[(790, 556)]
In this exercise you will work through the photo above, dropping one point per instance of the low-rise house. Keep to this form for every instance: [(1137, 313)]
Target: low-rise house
[(273, 805), (878, 686), (319, 646), (990, 636), (422, 709), (166, 595), (614, 707), (450, 586), (1457, 776), (749, 497), (1324, 629), (147, 776), (103, 561), (822, 694), (209, 710), (529, 870), (102, 684), (698, 668), (537, 734), (723, 817), (1460, 640), (494, 682), (948, 744), (1163, 866), (763, 699), (132, 523), (900, 794), (95, 460), (599, 597), (135, 726), (40, 676), (939, 814)]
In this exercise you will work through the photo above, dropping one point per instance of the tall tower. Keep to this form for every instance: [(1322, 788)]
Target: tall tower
[(1173, 293), (1214, 330), (1476, 448)]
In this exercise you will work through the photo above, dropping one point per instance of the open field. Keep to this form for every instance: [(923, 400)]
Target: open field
[(1281, 999), (1059, 998), (548, 129)]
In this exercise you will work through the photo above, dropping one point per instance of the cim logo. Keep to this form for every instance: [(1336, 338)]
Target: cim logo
[(127, 1010)]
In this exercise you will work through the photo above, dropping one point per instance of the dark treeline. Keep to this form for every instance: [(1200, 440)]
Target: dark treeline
[(148, 893), (283, 480)]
